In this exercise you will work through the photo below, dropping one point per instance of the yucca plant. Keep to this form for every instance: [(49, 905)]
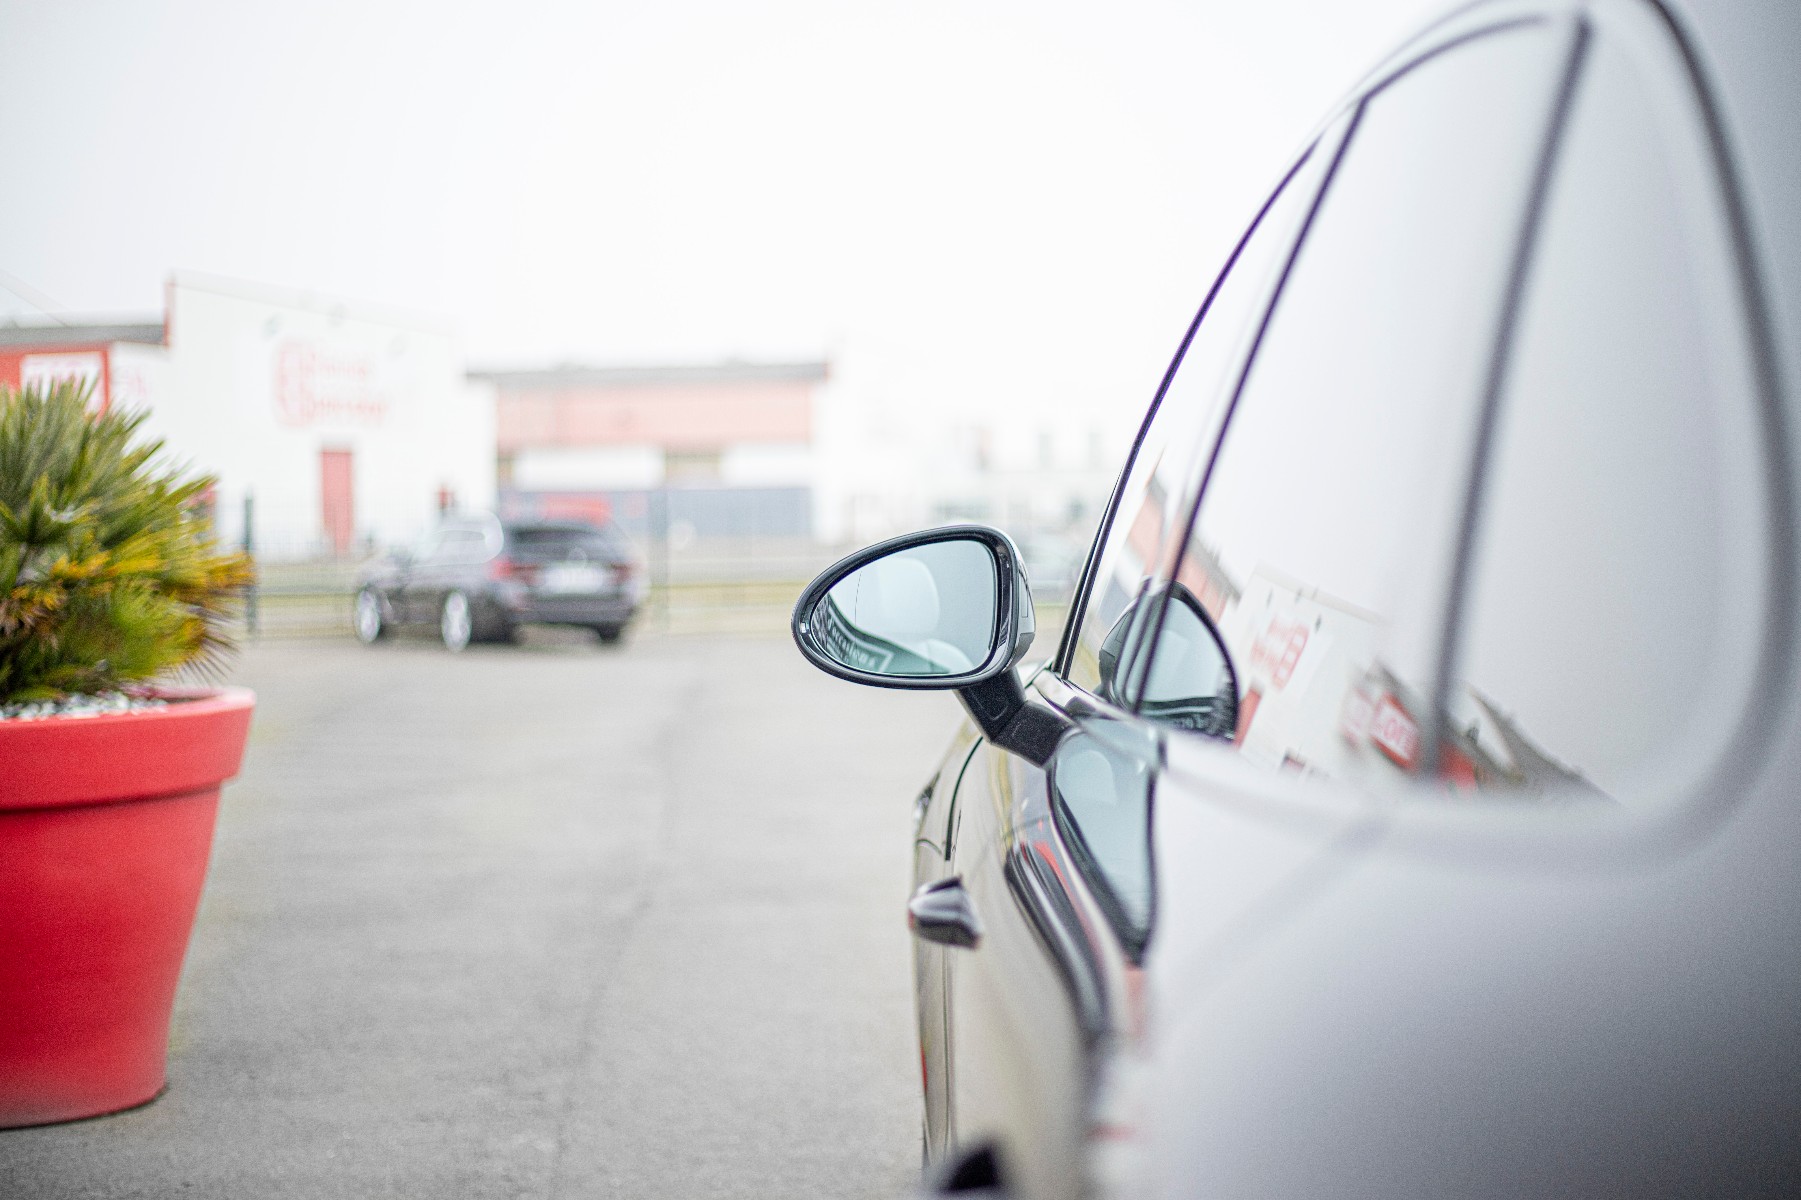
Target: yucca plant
[(109, 576)]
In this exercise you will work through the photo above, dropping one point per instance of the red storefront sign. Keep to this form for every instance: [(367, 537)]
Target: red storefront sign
[(1395, 733), (1279, 649)]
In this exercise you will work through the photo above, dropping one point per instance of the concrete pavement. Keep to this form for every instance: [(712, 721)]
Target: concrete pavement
[(541, 921)]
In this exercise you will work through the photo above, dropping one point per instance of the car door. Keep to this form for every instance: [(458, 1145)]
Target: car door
[(445, 567), (407, 590), (931, 865), (1327, 519)]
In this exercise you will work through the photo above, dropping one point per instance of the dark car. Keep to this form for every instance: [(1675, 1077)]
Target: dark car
[(478, 579), (1412, 806)]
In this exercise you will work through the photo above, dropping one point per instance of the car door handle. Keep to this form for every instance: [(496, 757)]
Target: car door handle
[(941, 912)]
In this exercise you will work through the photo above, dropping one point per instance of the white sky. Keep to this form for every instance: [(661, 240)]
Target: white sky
[(1019, 202)]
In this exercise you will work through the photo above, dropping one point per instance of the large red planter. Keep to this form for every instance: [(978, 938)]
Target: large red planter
[(105, 827)]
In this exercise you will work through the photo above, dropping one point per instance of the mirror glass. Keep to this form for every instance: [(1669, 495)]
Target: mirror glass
[(921, 611)]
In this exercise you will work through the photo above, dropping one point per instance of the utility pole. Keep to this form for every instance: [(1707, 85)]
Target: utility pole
[(250, 621)]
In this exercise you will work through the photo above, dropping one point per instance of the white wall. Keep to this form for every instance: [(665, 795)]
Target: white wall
[(896, 450), (587, 468), (257, 382), (774, 465), (139, 373)]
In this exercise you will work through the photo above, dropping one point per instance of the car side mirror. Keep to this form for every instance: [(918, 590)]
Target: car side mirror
[(1189, 681), (946, 610), (943, 609)]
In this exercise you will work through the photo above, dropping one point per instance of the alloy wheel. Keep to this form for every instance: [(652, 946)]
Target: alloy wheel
[(367, 617), (456, 623)]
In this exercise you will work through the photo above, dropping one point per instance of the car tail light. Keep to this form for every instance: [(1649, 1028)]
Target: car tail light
[(623, 571), (505, 568)]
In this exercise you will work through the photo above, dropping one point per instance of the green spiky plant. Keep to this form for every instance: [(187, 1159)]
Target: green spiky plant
[(109, 575)]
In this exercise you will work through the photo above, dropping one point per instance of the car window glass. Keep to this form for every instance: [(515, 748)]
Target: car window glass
[(1325, 534), (1613, 607), (428, 547), (456, 546), (555, 542), (1180, 432)]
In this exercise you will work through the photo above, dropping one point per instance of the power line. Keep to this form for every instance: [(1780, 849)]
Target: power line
[(44, 303)]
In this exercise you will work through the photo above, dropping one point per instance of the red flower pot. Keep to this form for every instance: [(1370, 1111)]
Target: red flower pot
[(105, 827)]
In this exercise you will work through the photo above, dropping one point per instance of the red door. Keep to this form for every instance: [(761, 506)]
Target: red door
[(338, 511)]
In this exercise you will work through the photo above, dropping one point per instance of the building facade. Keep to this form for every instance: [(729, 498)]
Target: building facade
[(723, 450), (332, 428)]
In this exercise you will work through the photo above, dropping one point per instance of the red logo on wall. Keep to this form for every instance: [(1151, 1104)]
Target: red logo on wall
[(315, 386), (1279, 649)]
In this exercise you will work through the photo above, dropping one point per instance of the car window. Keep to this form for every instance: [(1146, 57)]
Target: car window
[(552, 541), (428, 547), (1178, 434), (459, 545), (1325, 533), (1613, 608)]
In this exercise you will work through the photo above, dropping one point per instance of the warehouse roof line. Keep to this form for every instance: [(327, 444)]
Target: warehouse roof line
[(81, 333)]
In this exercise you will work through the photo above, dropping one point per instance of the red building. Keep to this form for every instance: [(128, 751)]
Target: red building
[(727, 447), (110, 357)]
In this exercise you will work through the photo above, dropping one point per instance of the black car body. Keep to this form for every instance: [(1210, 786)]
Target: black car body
[(1413, 804), (479, 579)]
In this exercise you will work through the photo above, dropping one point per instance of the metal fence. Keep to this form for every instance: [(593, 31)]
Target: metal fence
[(725, 585), (722, 585)]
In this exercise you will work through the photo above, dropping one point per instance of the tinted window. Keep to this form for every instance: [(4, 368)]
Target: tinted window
[(428, 547), (557, 541), (1151, 507), (1612, 616), (1325, 534)]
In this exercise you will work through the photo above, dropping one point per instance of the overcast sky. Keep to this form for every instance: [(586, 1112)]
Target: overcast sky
[(1021, 201)]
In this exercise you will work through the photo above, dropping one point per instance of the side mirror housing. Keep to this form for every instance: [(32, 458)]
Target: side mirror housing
[(943, 610)]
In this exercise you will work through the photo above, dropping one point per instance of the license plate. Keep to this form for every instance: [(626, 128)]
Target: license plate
[(572, 580)]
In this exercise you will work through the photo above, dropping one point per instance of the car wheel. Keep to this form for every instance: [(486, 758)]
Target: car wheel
[(609, 634), (366, 618), (456, 624)]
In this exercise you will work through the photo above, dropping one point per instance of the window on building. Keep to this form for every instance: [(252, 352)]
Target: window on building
[(691, 466)]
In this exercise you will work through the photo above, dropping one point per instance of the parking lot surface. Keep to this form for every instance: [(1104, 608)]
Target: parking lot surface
[(540, 921)]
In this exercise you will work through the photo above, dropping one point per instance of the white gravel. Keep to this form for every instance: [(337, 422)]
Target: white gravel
[(79, 706)]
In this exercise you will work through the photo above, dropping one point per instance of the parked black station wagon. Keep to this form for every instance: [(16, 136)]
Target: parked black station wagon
[(1412, 806), (479, 579)]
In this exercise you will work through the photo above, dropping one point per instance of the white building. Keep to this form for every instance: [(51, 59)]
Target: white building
[(346, 426)]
